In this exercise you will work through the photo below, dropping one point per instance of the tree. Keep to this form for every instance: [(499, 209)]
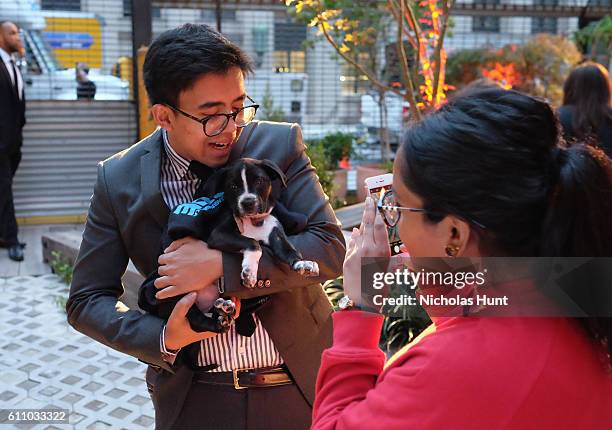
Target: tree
[(596, 39), (269, 112), (353, 28), (365, 26), (539, 67)]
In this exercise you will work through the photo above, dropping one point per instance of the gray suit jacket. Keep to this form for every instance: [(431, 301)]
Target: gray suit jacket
[(126, 218)]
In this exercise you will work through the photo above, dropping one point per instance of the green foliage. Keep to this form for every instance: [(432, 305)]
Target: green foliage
[(547, 62), (325, 154), (465, 65), (399, 328), (403, 323), (61, 301), (388, 166), (323, 166), (334, 291), (268, 111), (61, 266), (596, 38), (540, 66), (337, 145)]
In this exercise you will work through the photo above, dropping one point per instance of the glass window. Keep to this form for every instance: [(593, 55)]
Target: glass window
[(544, 25), (297, 85), (210, 15), (351, 82), (486, 23), (289, 61), (289, 54)]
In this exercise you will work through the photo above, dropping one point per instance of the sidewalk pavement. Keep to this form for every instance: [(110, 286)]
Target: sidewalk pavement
[(45, 363), (33, 263)]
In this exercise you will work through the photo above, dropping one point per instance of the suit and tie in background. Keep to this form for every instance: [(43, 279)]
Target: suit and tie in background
[(12, 120)]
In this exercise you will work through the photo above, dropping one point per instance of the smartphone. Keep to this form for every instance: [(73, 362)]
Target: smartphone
[(376, 186)]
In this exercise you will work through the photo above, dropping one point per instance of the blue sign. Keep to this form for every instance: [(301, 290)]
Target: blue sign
[(64, 40)]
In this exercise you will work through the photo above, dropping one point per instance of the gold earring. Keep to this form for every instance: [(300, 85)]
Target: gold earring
[(451, 250)]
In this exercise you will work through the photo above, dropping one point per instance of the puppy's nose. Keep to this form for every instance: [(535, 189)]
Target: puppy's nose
[(248, 203)]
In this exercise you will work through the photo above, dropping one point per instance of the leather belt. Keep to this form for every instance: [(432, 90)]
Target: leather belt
[(246, 378)]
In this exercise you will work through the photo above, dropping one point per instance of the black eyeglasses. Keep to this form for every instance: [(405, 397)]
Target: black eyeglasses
[(213, 125), (391, 213)]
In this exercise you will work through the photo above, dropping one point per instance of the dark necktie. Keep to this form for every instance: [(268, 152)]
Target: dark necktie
[(15, 82), (203, 172)]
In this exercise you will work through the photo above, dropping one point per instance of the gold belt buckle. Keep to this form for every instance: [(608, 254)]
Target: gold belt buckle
[(236, 381)]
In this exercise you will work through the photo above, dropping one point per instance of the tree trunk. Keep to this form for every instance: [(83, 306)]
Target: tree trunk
[(383, 132), (387, 145)]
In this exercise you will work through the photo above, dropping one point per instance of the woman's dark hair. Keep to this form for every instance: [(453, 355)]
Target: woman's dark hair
[(496, 157), (180, 56), (588, 89)]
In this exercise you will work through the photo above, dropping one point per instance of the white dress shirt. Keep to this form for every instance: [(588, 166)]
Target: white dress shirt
[(8, 59), (229, 350)]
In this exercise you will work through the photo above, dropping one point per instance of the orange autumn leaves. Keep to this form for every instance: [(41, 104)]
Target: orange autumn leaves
[(504, 74)]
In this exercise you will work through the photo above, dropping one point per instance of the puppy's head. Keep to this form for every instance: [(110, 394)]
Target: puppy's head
[(248, 186)]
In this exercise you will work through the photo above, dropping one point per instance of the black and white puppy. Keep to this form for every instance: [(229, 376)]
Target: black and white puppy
[(248, 197), (234, 211)]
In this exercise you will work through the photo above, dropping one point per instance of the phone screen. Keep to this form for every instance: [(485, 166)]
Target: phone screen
[(394, 240)]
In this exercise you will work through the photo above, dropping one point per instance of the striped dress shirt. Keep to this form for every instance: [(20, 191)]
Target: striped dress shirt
[(229, 350)]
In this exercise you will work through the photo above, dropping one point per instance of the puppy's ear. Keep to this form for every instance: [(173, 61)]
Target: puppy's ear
[(274, 171)]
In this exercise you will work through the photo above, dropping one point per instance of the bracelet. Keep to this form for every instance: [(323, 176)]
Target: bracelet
[(346, 304)]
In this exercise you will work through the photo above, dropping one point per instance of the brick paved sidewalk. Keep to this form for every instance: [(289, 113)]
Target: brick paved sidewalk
[(45, 363)]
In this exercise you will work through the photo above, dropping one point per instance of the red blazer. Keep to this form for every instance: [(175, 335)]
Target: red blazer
[(471, 373)]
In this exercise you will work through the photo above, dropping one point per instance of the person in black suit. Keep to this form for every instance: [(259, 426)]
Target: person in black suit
[(12, 120)]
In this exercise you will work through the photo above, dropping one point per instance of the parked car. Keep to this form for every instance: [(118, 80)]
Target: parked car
[(62, 85)]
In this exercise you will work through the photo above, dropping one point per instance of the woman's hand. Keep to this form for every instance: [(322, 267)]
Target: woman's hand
[(370, 240)]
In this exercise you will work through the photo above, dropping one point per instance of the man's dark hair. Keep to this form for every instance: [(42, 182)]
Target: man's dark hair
[(180, 56)]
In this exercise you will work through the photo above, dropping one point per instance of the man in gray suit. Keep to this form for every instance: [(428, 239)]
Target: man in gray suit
[(195, 82)]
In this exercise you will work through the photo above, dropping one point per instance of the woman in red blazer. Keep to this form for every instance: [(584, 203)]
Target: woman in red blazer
[(488, 176)]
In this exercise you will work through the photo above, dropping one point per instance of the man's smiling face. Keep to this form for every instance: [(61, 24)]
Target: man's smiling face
[(210, 94)]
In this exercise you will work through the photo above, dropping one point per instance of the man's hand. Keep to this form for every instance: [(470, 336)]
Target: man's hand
[(187, 265), (178, 331)]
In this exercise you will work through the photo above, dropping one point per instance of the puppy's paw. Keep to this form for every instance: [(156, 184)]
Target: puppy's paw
[(306, 268), (225, 307), (248, 277), (250, 263)]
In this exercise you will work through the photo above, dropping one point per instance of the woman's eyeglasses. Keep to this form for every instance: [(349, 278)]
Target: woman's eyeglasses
[(213, 125), (391, 213)]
